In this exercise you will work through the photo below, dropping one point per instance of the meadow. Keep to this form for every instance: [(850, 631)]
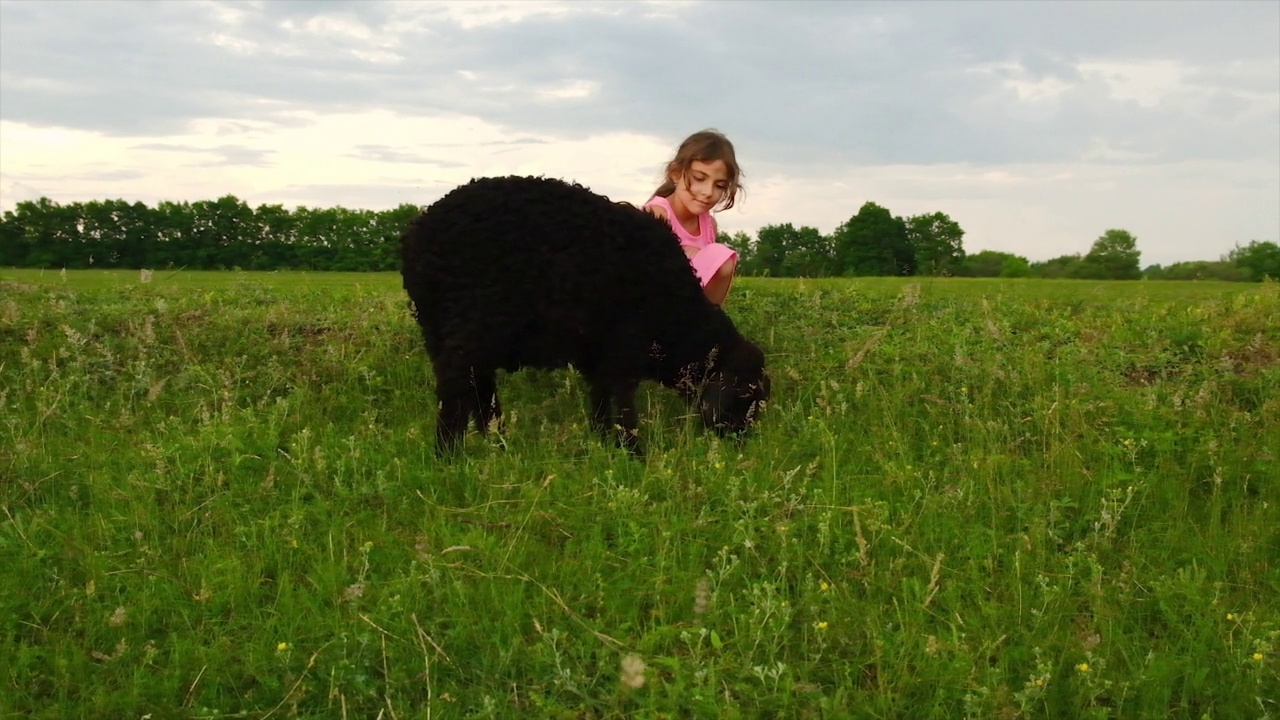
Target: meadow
[(966, 499)]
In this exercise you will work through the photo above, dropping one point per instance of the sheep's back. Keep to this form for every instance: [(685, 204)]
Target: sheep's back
[(537, 268)]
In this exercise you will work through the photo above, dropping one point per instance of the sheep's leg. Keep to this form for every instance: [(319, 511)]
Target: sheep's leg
[(456, 400), (624, 399), (621, 427), (601, 410), (488, 411)]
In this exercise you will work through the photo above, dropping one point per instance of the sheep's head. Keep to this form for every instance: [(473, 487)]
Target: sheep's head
[(735, 390)]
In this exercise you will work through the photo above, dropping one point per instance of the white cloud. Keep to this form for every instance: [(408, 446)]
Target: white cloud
[(1035, 127), (572, 89)]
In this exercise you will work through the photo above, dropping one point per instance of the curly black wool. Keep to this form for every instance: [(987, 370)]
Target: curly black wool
[(512, 272)]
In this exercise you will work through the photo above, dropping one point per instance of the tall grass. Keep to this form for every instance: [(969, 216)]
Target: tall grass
[(966, 499)]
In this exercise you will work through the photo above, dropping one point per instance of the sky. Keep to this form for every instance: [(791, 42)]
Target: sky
[(1037, 126)]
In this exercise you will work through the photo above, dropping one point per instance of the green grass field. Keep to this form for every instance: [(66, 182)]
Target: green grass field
[(986, 499)]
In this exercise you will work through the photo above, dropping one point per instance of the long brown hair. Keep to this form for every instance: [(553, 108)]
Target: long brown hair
[(704, 146)]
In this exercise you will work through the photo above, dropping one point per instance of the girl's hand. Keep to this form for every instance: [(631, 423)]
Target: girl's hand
[(657, 211)]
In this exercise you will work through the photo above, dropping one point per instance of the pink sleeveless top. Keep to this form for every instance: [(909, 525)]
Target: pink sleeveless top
[(706, 225), (711, 255)]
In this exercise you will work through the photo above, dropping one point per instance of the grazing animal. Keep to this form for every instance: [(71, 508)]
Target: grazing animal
[(512, 272)]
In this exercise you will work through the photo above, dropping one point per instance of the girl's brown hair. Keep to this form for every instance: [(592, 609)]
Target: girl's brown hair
[(704, 146)]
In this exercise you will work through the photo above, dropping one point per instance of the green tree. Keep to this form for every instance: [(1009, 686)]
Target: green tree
[(769, 251), (218, 231), (873, 243), (1063, 266), (787, 251), (314, 238), (122, 234), (175, 228), (937, 241), (990, 263), (811, 255), (1015, 266), (45, 234), (13, 250), (1114, 256), (1258, 259), (353, 240), (278, 241), (746, 248), (1198, 270)]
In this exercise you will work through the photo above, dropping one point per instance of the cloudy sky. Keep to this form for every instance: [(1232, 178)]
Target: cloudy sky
[(1036, 126)]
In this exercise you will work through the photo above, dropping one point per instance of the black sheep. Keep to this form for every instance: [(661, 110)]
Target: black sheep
[(534, 272)]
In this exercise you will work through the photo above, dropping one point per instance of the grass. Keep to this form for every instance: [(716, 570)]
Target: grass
[(988, 499)]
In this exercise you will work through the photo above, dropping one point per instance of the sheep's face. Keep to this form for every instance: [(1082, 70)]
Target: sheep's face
[(735, 392)]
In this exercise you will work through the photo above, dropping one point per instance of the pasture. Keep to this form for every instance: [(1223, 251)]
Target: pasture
[(967, 498)]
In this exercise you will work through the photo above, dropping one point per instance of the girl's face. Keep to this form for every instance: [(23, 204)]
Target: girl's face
[(702, 187)]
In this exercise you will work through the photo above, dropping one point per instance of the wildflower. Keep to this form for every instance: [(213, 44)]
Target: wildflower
[(701, 596), (1257, 657), (368, 546), (1231, 617), (1083, 667), (282, 647), (1039, 682), (633, 671), (820, 625), (824, 586), (118, 618)]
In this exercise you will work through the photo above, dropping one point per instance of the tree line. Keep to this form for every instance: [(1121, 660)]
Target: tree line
[(874, 242), (205, 235), (227, 233)]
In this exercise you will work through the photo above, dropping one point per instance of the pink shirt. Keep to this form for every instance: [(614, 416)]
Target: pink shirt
[(706, 225)]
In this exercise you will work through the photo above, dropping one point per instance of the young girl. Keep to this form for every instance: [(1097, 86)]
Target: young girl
[(702, 177)]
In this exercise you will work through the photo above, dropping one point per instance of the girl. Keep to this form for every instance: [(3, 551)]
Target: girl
[(703, 176)]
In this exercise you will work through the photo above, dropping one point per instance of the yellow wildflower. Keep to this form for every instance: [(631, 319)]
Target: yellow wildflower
[(1083, 667), (282, 647)]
